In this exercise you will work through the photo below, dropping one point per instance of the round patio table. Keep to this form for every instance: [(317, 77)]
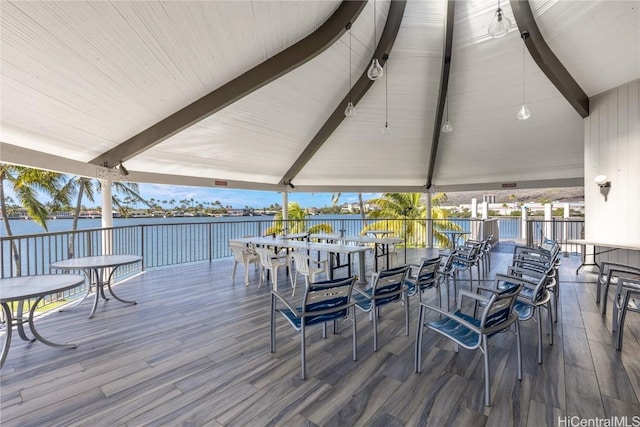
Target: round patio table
[(97, 268), (19, 289)]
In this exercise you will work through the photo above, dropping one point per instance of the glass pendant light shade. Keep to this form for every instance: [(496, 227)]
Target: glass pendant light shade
[(500, 25), (524, 113), (447, 127), (350, 111), (375, 70), (386, 130)]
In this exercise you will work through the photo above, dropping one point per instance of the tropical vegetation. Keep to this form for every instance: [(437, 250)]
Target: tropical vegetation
[(399, 211), (296, 222)]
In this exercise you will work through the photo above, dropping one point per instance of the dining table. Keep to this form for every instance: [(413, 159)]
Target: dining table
[(99, 270), (278, 242), (381, 245), (23, 288), (454, 236)]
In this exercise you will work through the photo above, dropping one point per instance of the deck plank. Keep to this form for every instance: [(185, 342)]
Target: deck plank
[(194, 351)]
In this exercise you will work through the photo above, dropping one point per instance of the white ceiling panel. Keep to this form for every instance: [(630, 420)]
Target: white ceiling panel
[(80, 78)]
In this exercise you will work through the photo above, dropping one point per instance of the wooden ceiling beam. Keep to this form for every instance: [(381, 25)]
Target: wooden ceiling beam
[(546, 59), (262, 74), (442, 94)]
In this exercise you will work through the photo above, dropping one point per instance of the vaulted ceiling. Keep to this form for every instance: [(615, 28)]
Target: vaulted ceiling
[(251, 94)]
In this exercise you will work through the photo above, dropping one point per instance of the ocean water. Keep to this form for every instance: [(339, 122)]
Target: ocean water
[(26, 226)]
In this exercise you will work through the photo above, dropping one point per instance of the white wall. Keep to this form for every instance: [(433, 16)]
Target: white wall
[(612, 148)]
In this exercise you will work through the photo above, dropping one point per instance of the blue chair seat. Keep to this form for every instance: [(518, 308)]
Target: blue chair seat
[(296, 320), (525, 311), (361, 301), (456, 331)]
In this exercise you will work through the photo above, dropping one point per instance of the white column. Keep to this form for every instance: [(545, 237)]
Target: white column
[(429, 221), (107, 217), (565, 225), (523, 223), (285, 210), (474, 208), (485, 210), (548, 218)]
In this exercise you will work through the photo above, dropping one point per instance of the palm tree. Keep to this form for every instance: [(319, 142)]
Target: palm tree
[(335, 197), (296, 222), (27, 183), (81, 187), (404, 209)]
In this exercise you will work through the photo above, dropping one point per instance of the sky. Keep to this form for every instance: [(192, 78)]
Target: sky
[(227, 196), (242, 198)]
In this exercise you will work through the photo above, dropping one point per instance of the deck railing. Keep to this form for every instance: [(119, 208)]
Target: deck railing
[(162, 245)]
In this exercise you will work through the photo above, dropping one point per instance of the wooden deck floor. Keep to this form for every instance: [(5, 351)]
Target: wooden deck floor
[(195, 351)]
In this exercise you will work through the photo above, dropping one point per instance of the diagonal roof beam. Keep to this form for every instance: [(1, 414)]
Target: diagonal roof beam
[(444, 87), (388, 37), (262, 74), (547, 60)]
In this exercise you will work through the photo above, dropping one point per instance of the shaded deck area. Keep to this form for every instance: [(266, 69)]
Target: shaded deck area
[(195, 351)]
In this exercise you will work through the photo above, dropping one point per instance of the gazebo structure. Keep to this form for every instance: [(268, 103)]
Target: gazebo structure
[(465, 95)]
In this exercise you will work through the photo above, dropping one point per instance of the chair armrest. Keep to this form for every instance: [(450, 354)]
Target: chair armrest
[(318, 262), (477, 297), (604, 265), (452, 316), (485, 289), (286, 302)]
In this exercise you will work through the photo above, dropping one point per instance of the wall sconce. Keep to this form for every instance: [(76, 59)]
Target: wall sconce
[(604, 185)]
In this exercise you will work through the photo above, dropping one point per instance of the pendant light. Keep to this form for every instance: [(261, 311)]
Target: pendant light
[(499, 26), (524, 113), (350, 111), (447, 127), (386, 130), (375, 70)]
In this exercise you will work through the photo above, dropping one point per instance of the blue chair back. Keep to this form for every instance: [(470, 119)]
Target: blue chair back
[(388, 285), (327, 300), (499, 309)]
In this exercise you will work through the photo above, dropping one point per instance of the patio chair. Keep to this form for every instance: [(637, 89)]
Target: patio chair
[(271, 262), (611, 273), (546, 267), (307, 267), (532, 298), (245, 256), (465, 258), (446, 272), (627, 298), (424, 276), (473, 332), (387, 286), (322, 302)]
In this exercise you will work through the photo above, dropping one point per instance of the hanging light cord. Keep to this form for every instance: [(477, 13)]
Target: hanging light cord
[(375, 33), (447, 108), (386, 96), (524, 70), (349, 63)]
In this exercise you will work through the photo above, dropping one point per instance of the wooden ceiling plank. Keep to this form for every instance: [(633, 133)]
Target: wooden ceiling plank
[(262, 74), (383, 49)]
